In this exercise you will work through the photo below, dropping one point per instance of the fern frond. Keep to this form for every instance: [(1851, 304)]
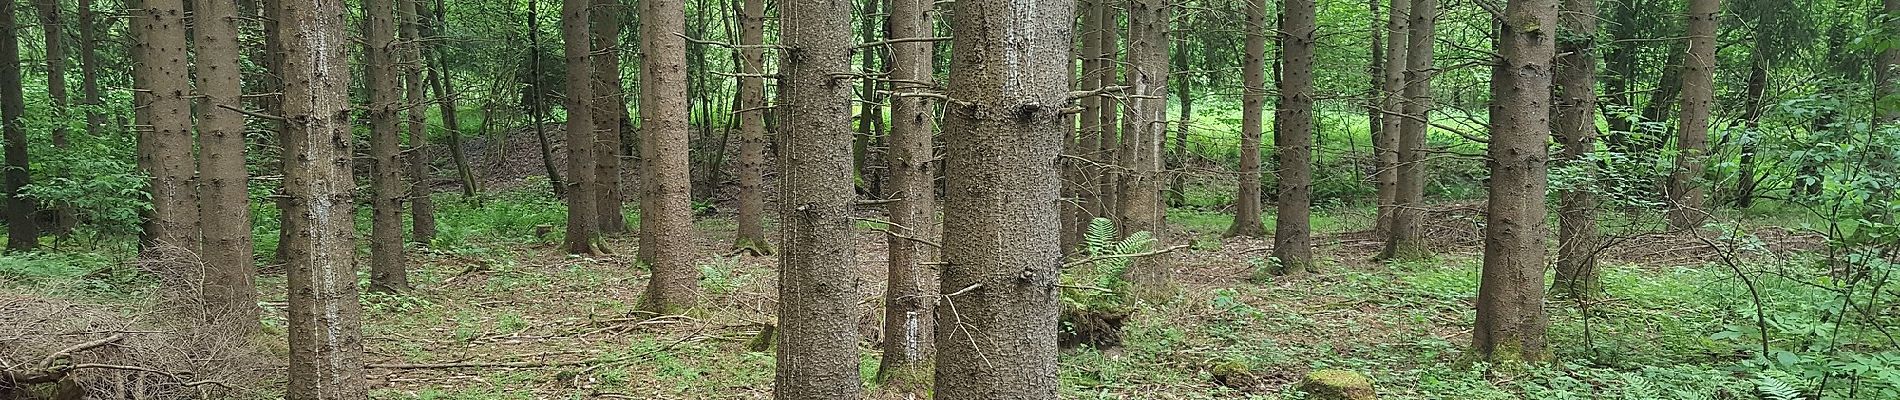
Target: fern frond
[(1777, 388), (1100, 237)]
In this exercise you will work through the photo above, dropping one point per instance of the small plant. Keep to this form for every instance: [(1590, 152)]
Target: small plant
[(1095, 297)]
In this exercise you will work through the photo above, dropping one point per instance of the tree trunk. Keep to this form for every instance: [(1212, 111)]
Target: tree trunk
[(1698, 95), (1109, 201), (577, 49), (89, 68), (1404, 241), (666, 218), (54, 32), (869, 112), (536, 110), (226, 208), (1619, 64), (1511, 319), (909, 289), (326, 345), (1575, 128), (1088, 191), (1146, 123), (419, 161), (818, 285), (1175, 161), (610, 106), (445, 97), (22, 235), (1292, 230), (752, 134), (387, 270), (1002, 140), (1253, 102), (1757, 90), (174, 198), (1392, 100)]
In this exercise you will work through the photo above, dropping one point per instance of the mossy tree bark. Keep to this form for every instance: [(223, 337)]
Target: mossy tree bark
[(1404, 242), (818, 288), (910, 284), (1003, 131), (1511, 318), (1293, 231), (325, 317)]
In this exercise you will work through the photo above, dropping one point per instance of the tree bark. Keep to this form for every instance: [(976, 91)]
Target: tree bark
[(22, 235), (1088, 141), (1293, 231), (910, 284), (1145, 126), (446, 97), (1110, 141), (89, 68), (1253, 102), (1757, 91), (610, 105), (1174, 161), (54, 31), (1003, 135), (326, 346), (1575, 126), (1511, 319), (1692, 140), (1404, 241), (226, 202), (666, 217), (537, 111), (420, 161), (752, 134), (174, 198), (1392, 99), (577, 49), (818, 285), (388, 272)]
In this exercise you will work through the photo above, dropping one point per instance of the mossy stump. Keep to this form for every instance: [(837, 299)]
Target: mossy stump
[(1332, 384)]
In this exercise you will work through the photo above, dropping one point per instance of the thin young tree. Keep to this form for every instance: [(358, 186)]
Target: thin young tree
[(1003, 135), (577, 50), (1392, 102), (666, 213), (225, 199), (1109, 61), (441, 81), (1698, 96), (818, 286), (1293, 141), (752, 135), (388, 272), (1511, 318), (420, 158), (1575, 127), (325, 316), (1404, 242), (537, 97), (1253, 103), (911, 163), (174, 196), (53, 31), (609, 107), (1145, 123), (22, 235)]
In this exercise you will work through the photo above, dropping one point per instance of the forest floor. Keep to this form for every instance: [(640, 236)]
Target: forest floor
[(497, 313)]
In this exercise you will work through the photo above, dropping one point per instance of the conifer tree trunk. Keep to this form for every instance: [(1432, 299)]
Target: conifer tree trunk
[(610, 106), (1110, 141), (752, 134), (1392, 100), (54, 31), (387, 270), (1292, 230), (1142, 138), (1088, 142), (325, 317), (1698, 95), (1575, 128), (446, 97), (910, 283), (226, 201), (1887, 67), (537, 110), (174, 197), (89, 67), (420, 162), (22, 235), (1003, 136), (1511, 319), (818, 285), (1176, 160), (577, 49), (1253, 102), (666, 217), (1404, 241)]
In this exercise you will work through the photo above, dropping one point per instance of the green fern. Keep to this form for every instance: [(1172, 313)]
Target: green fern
[(1100, 242), (1100, 237), (1775, 385)]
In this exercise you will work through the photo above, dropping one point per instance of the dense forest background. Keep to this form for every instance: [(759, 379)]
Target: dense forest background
[(499, 199)]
